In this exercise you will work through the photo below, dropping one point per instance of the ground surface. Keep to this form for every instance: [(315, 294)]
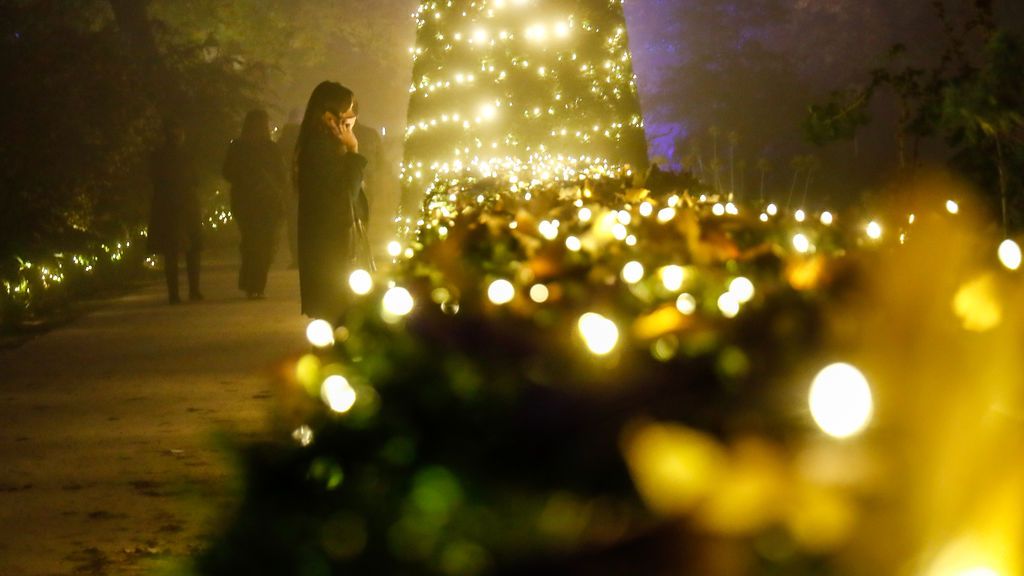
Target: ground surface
[(109, 458)]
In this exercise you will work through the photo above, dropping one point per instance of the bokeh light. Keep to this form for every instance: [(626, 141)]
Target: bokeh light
[(599, 333), (633, 272), (320, 333), (1009, 254), (360, 282), (397, 302), (338, 394), (501, 292), (840, 400)]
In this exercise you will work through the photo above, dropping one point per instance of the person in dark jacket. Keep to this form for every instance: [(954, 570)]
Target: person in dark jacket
[(329, 174), (259, 181), (286, 142), (176, 224)]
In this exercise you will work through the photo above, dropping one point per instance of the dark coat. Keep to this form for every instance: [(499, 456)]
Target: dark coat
[(259, 181), (328, 181), (175, 218)]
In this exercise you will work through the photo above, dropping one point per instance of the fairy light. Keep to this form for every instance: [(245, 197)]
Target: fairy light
[(633, 272), (539, 293), (826, 218), (397, 302), (686, 304), (548, 230), (742, 288), (672, 277), (360, 282), (394, 249), (874, 230), (573, 244), (585, 214), (952, 207), (718, 209), (666, 214), (1010, 254), (800, 215), (600, 334), (729, 305), (501, 292), (801, 243), (840, 400), (338, 394), (320, 333), (772, 210)]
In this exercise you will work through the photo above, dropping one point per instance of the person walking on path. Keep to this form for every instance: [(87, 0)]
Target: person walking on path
[(286, 142), (258, 178), (176, 223), (329, 174)]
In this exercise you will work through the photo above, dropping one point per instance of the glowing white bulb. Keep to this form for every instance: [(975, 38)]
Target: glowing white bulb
[(360, 282), (320, 333), (646, 209), (729, 305), (501, 292), (488, 111), (338, 394), (666, 214), (801, 243), (599, 333), (619, 231), (800, 216), (840, 400), (585, 215), (826, 218), (672, 277), (686, 304), (731, 209), (573, 243), (718, 209), (539, 293), (397, 302), (548, 230), (742, 289), (394, 249), (772, 210), (952, 207), (633, 272), (624, 217), (763, 217), (874, 230), (1009, 254)]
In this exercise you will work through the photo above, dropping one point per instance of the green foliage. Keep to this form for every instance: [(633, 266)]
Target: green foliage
[(970, 101)]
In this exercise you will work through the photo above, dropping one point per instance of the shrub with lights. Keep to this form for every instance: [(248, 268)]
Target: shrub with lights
[(562, 373)]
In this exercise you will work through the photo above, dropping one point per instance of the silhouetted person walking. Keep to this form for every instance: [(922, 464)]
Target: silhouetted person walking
[(176, 223), (256, 171), (329, 175), (286, 142)]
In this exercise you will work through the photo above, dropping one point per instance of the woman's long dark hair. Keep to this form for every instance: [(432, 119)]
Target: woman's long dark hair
[(326, 97)]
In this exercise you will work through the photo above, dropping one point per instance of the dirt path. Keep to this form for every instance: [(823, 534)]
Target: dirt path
[(108, 456)]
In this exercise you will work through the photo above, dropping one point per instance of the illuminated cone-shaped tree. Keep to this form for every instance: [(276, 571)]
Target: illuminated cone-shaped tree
[(499, 79)]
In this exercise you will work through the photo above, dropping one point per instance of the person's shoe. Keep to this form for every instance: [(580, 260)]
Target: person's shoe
[(259, 296)]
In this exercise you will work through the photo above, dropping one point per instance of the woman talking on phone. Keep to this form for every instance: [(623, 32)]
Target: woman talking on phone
[(328, 176)]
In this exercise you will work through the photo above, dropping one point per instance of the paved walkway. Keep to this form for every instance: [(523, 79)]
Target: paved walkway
[(108, 453)]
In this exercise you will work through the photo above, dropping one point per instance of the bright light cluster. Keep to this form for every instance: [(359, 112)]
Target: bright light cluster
[(488, 83)]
